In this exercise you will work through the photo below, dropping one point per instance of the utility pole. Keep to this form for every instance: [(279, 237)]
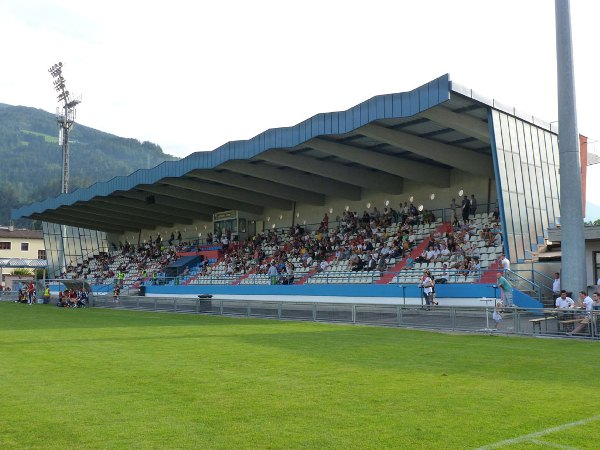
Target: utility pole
[(573, 276)]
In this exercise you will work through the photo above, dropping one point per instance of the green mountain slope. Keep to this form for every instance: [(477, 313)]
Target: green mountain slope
[(31, 158)]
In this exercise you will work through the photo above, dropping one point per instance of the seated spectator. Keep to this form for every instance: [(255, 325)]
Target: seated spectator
[(596, 298), (444, 276), (323, 266), (371, 262), (564, 302), (585, 302)]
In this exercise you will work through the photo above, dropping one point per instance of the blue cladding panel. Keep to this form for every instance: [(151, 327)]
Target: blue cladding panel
[(388, 106), (414, 102), (405, 99)]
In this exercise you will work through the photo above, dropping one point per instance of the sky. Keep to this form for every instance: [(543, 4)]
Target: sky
[(191, 76)]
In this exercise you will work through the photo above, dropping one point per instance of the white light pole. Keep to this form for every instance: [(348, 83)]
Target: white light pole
[(573, 268)]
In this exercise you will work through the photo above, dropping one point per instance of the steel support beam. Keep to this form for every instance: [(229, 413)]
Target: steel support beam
[(267, 187), (194, 209), (229, 192), (62, 220), (393, 165), (102, 205), (460, 122), (361, 177), (75, 214), (295, 178), (200, 199), (459, 158), (124, 216), (180, 214)]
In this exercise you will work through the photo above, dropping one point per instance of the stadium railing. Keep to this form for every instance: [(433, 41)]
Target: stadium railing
[(516, 321)]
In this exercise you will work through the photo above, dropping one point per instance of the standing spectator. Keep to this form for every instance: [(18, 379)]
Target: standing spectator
[(506, 290), (47, 295), (473, 204), (496, 214), (453, 219), (179, 237), (466, 209), (505, 263), (225, 243), (556, 284), (272, 273), (427, 285), (31, 293)]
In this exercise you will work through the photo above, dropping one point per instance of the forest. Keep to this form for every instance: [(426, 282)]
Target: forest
[(31, 158)]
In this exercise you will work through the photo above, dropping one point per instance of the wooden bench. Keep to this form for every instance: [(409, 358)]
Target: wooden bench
[(568, 324), (538, 322)]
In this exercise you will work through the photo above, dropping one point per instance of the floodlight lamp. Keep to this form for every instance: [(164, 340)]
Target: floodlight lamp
[(368, 205), (460, 193), (411, 198), (280, 216), (387, 202), (297, 215), (432, 196), (330, 210), (347, 208), (420, 207)]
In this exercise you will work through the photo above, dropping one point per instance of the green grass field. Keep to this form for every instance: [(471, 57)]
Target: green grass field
[(95, 378)]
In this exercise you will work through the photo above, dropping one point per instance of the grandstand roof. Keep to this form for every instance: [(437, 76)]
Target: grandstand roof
[(420, 135)]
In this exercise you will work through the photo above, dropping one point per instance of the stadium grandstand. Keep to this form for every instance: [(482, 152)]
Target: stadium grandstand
[(354, 203)]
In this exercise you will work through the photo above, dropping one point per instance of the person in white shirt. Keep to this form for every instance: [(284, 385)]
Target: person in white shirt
[(444, 276), (323, 266), (504, 262), (585, 301), (564, 302), (429, 254), (556, 284), (427, 284)]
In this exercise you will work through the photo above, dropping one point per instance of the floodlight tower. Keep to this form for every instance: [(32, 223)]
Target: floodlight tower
[(65, 117)]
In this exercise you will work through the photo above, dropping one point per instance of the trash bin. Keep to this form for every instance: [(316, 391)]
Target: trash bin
[(142, 291)]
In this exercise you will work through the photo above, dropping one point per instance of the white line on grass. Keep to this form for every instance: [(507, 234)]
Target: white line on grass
[(531, 436), (552, 444)]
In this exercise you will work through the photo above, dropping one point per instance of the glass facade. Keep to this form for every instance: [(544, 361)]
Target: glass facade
[(67, 245), (527, 175)]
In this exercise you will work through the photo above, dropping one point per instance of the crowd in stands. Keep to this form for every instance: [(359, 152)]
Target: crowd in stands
[(372, 241)]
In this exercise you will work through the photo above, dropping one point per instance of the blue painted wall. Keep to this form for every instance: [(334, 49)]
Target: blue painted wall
[(335, 290)]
